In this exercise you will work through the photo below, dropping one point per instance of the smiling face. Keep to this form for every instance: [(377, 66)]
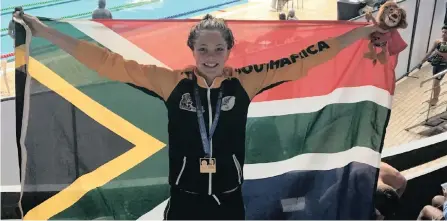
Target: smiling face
[(210, 52), (392, 16)]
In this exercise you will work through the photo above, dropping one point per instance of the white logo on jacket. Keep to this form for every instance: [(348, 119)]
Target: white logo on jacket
[(186, 103), (228, 103)]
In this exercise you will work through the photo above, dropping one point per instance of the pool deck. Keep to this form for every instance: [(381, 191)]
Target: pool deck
[(408, 99), (260, 10), (410, 108)]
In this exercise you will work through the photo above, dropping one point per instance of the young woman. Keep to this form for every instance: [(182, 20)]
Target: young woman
[(207, 107), (437, 56), (445, 204)]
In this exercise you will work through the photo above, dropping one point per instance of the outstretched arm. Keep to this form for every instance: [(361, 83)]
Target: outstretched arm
[(106, 63), (258, 77), (349, 38), (432, 49)]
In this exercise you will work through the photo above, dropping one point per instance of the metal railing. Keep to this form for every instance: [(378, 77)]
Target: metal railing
[(280, 4), (439, 120)]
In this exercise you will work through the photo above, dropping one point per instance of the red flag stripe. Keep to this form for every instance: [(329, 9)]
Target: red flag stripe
[(261, 41)]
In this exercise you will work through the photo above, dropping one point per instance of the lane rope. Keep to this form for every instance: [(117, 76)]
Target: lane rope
[(7, 55), (113, 9), (59, 2), (31, 4)]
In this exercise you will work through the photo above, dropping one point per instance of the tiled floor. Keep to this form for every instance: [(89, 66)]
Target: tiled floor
[(410, 108)]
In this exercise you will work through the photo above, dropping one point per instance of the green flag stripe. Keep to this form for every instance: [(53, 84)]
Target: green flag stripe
[(330, 130), (260, 149), (115, 96)]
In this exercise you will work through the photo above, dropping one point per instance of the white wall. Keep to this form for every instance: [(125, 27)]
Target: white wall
[(8, 154), (423, 31), (410, 7), (438, 21)]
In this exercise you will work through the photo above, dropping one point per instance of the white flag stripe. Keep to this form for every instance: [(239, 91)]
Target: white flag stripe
[(114, 42), (312, 162), (115, 184), (313, 104)]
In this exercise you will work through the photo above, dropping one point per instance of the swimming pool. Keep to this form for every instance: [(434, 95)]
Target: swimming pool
[(148, 9)]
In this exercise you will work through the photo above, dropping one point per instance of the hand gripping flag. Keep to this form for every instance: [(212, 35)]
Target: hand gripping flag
[(93, 148)]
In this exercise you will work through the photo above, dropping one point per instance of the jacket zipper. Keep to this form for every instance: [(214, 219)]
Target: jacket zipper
[(181, 171), (210, 123), (238, 168)]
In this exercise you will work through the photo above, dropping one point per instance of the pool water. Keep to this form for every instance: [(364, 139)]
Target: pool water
[(158, 9)]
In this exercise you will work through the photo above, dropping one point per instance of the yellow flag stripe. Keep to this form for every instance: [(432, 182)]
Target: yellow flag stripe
[(81, 186), (145, 145), (89, 106)]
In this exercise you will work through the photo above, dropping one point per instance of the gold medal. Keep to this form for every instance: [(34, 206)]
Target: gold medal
[(207, 165)]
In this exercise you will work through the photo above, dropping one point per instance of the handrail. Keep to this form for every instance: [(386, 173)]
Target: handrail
[(442, 73)]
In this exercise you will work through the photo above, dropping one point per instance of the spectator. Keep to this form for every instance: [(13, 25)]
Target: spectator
[(388, 175), (101, 12), (11, 26), (437, 56), (391, 185), (434, 211), (430, 212), (445, 203), (386, 201), (438, 202), (282, 16), (441, 201), (291, 15)]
